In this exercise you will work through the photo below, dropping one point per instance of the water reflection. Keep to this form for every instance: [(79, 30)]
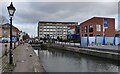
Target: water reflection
[(64, 61)]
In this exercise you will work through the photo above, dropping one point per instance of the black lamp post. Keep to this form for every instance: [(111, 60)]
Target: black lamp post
[(11, 10), (74, 40)]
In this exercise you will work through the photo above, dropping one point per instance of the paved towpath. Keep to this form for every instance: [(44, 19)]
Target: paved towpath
[(22, 60), (25, 62)]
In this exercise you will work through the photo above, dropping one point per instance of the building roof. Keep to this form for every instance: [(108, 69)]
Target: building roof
[(7, 25), (94, 18), (58, 22)]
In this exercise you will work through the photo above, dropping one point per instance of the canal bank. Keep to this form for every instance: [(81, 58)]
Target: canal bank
[(98, 53), (25, 60)]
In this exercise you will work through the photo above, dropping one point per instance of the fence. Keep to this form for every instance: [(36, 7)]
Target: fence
[(99, 40), (3, 48)]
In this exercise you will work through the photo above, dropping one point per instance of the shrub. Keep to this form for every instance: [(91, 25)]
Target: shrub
[(108, 43), (44, 46)]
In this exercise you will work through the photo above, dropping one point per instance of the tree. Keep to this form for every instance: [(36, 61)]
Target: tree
[(26, 36), (58, 38)]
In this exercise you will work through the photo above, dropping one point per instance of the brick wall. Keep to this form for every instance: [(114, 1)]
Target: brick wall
[(110, 31)]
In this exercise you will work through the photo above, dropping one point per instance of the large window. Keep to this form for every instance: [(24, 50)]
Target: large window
[(4, 31), (91, 28), (98, 35), (98, 28), (86, 35), (85, 29), (91, 35)]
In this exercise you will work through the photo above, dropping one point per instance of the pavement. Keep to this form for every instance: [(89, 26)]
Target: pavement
[(104, 47), (100, 53), (25, 60), (107, 47)]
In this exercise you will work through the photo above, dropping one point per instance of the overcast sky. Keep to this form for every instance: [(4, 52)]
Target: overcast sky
[(29, 13)]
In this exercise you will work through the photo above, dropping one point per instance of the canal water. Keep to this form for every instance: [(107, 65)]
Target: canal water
[(65, 61)]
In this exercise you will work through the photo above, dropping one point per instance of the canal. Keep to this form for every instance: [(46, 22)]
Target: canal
[(65, 61)]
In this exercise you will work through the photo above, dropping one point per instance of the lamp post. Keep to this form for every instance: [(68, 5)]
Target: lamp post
[(74, 40), (11, 10)]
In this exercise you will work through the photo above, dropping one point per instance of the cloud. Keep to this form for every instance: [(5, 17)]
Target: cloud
[(30, 13), (3, 19), (60, 0)]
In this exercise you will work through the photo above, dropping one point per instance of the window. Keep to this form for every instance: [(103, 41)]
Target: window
[(40, 29), (86, 35), (45, 29), (45, 32), (54, 30), (54, 26), (98, 28), (40, 32), (45, 26), (51, 29), (4, 31), (64, 30), (65, 26), (91, 35), (85, 30), (64, 33), (98, 35), (14, 33), (91, 28), (50, 26)]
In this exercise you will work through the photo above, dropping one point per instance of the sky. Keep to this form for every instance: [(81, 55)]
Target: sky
[(29, 12)]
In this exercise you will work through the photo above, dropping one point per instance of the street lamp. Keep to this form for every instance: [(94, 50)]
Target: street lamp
[(74, 40), (11, 11)]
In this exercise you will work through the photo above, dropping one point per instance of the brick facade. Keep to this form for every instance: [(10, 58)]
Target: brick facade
[(5, 31), (97, 24)]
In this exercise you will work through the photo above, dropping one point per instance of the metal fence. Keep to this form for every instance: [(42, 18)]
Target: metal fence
[(99, 40)]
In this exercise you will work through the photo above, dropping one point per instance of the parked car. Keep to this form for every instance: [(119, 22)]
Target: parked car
[(4, 41)]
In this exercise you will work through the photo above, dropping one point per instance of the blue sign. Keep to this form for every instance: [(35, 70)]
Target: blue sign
[(105, 23)]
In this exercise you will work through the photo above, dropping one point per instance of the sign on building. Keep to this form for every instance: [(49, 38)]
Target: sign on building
[(105, 23)]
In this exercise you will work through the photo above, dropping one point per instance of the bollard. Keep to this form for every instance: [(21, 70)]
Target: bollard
[(6, 49)]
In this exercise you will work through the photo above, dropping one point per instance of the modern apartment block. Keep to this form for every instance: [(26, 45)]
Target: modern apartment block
[(98, 26), (53, 29)]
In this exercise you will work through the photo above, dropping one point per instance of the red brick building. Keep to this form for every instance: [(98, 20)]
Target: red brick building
[(5, 31), (98, 26)]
